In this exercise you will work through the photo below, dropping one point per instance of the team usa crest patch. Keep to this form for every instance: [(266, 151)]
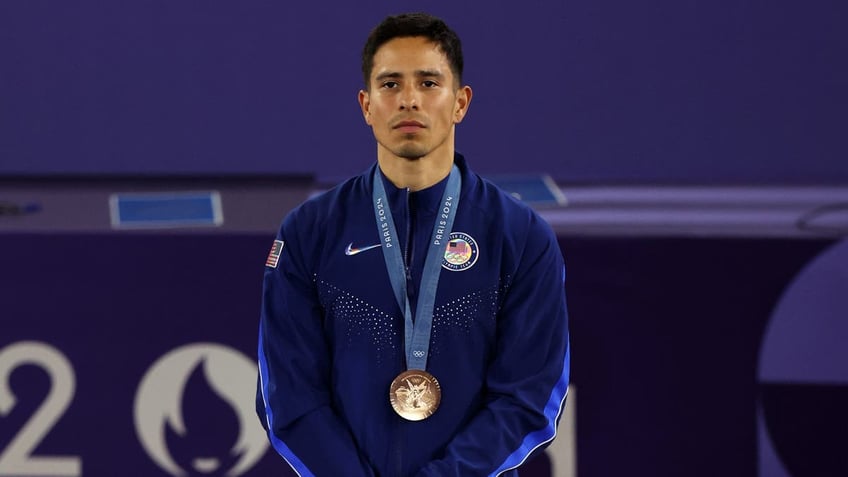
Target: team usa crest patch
[(274, 257), (461, 252)]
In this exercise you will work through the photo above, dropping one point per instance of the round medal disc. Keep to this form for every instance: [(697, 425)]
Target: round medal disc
[(415, 394)]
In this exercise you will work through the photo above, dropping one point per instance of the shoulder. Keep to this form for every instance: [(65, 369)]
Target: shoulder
[(501, 209), (523, 235)]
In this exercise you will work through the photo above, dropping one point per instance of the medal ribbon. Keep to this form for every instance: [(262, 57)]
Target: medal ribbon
[(416, 332)]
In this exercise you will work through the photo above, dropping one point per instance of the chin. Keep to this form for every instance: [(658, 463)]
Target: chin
[(412, 158), (411, 153)]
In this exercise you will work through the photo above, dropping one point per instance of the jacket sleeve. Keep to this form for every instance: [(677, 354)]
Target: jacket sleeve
[(527, 381), (293, 394)]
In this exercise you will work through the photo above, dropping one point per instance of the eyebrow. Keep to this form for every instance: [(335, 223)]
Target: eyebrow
[(418, 73)]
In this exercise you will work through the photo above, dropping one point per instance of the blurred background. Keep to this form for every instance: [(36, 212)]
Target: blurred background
[(690, 155)]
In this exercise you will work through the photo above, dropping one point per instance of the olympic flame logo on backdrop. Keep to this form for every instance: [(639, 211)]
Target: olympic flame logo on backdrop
[(160, 408)]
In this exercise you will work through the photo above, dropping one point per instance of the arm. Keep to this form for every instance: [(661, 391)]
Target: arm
[(528, 378), (293, 395)]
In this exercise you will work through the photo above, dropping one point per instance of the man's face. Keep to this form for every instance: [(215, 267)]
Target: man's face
[(413, 102)]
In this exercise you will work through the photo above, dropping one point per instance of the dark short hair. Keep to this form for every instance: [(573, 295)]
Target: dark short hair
[(408, 25)]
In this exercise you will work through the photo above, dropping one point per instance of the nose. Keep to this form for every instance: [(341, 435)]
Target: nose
[(408, 100)]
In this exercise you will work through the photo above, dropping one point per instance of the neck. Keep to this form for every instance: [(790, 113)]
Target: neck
[(415, 174)]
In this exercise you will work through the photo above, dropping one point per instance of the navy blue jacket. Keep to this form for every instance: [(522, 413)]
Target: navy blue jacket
[(331, 335)]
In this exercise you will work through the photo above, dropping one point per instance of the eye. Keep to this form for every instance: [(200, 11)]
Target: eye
[(390, 84), (430, 84)]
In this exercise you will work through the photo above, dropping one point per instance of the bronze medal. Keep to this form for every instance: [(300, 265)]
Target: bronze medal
[(415, 394)]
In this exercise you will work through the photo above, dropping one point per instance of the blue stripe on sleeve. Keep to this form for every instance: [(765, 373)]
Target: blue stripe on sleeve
[(296, 464), (553, 409)]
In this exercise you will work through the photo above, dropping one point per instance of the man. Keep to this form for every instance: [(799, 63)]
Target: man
[(414, 318)]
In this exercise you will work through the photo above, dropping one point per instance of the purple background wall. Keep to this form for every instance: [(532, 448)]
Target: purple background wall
[(666, 333), (588, 91)]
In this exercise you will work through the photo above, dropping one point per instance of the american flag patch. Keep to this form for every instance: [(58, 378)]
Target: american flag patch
[(458, 246), (274, 256)]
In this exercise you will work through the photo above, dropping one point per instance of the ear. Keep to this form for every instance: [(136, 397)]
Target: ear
[(365, 104), (463, 100)]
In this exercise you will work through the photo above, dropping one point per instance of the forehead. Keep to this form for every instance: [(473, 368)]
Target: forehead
[(408, 55)]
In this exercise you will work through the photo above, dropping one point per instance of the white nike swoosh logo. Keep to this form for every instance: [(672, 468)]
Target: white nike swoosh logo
[(350, 251)]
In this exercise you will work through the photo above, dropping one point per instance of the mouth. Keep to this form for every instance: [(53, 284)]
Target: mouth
[(408, 126)]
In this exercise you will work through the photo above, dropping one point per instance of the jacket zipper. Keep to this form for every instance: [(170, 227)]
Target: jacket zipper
[(410, 242), (407, 260)]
